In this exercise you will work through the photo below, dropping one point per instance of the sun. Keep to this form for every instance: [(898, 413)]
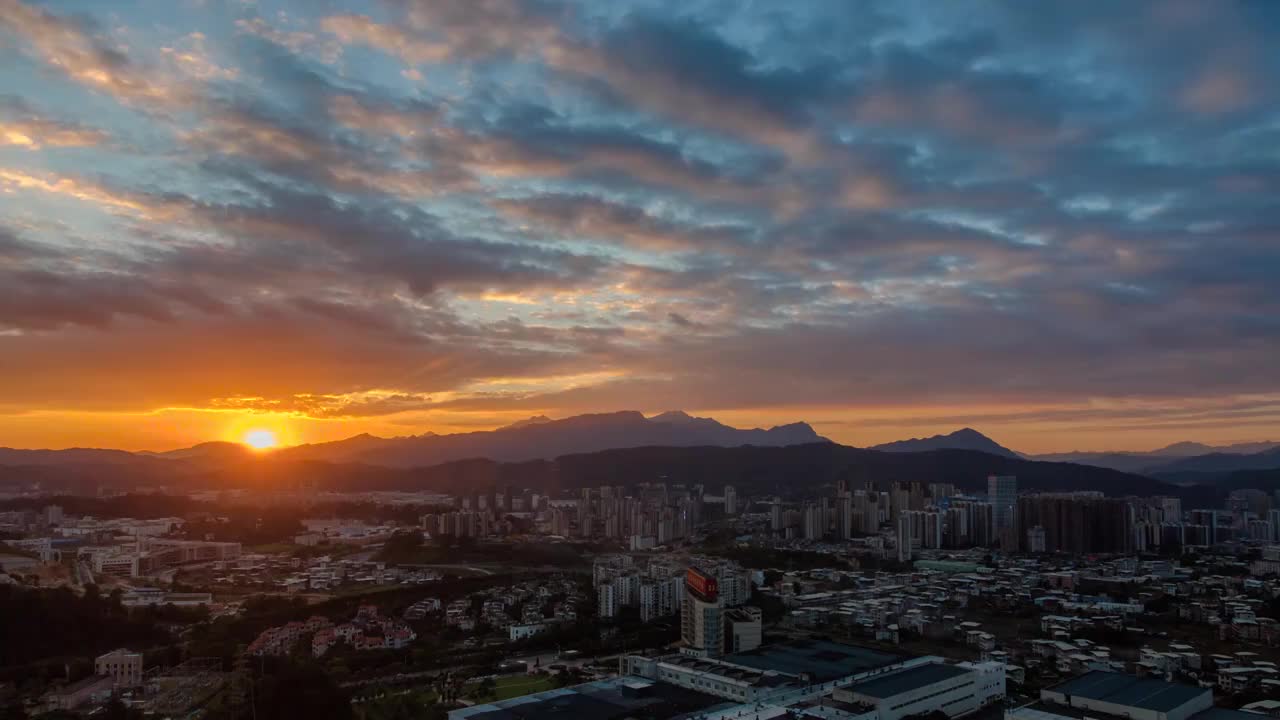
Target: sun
[(261, 439)]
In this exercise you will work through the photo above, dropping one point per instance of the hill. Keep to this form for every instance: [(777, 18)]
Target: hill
[(963, 439)]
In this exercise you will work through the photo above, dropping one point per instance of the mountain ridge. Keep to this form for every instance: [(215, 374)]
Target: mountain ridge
[(537, 437), (790, 471), (962, 439)]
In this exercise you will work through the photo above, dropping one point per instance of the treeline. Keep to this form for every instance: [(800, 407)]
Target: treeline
[(137, 505), (155, 505), (37, 624)]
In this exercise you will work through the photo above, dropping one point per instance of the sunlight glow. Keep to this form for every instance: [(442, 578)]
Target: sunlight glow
[(261, 439)]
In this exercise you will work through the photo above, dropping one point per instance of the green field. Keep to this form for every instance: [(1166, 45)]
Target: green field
[(515, 686)]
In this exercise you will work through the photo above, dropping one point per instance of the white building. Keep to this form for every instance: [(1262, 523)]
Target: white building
[(606, 601), (953, 689), (124, 667), (743, 629)]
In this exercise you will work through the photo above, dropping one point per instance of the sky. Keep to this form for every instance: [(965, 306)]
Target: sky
[(1054, 222)]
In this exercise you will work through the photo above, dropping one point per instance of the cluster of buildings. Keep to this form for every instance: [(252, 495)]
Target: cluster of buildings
[(934, 516), (322, 573), (366, 631), (654, 514), (149, 555), (521, 610), (799, 678), (656, 584), (123, 547), (1079, 606)]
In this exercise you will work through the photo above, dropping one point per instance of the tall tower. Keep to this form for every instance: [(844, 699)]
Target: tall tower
[(904, 537), (1002, 493), (702, 615)]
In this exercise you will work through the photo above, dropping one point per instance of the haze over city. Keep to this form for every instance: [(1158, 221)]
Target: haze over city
[(323, 219)]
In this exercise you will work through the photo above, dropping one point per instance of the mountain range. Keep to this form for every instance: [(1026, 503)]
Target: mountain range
[(1180, 457), (528, 445), (541, 437), (537, 437)]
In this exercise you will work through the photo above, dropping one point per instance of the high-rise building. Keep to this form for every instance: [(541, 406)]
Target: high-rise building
[(924, 528), (844, 517), (730, 500), (775, 516), (1249, 501), (1171, 508), (1035, 539), (1077, 523), (904, 538), (814, 522), (702, 616), (607, 601), (871, 513), (906, 496), (1273, 520), (1002, 493), (955, 530)]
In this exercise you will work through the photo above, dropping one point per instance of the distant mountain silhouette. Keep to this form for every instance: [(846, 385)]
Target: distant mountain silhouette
[(1220, 462), (1190, 449), (1155, 460), (11, 456), (1122, 461), (790, 471), (212, 451), (963, 439), (535, 420), (537, 437), (541, 437)]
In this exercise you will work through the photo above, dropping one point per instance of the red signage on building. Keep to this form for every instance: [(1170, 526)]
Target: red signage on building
[(703, 586)]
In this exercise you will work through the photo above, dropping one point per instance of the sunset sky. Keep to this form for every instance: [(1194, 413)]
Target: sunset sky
[(1058, 223)]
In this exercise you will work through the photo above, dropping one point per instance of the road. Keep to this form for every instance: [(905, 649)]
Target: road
[(534, 661)]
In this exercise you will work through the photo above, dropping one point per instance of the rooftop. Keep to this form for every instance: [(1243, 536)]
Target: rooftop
[(902, 681), (821, 659), (1121, 689), (1054, 711), (613, 699)]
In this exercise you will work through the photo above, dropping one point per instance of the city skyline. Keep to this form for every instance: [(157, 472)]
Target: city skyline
[(1053, 224)]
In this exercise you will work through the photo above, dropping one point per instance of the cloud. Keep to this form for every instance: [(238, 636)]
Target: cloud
[(78, 189), (23, 127), (594, 218), (516, 206), (71, 47)]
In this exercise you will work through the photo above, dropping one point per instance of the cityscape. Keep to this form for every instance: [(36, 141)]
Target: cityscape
[(639, 360), (834, 598)]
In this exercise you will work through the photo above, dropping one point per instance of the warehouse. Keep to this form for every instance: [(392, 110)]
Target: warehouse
[(953, 689), (1100, 695), (1128, 696)]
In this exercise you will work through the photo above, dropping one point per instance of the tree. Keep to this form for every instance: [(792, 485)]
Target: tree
[(290, 689)]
